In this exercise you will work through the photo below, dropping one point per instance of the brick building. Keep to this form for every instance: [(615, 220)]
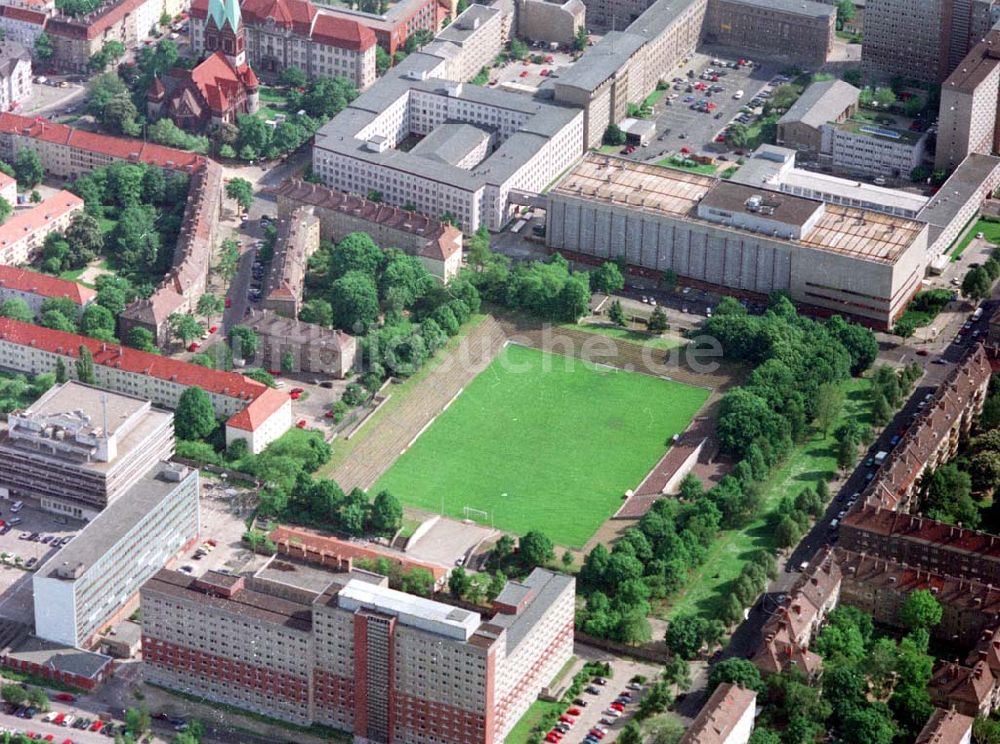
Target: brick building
[(946, 727), (342, 649), (313, 348), (76, 39), (437, 244), (803, 31), (297, 240), (727, 717)]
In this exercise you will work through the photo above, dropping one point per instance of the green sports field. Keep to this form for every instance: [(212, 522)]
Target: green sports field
[(541, 441)]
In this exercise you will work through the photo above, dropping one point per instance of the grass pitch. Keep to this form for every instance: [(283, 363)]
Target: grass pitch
[(541, 441)]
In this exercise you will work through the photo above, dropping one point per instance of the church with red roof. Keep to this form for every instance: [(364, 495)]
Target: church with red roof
[(220, 88)]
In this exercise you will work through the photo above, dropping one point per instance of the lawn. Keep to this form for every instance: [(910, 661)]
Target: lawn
[(521, 733), (689, 165), (610, 149), (653, 98), (542, 441), (990, 231), (807, 464), (637, 337)]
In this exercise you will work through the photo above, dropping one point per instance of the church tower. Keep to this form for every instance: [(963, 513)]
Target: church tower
[(224, 31)]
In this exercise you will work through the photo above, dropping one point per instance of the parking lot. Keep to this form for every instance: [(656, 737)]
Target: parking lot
[(224, 509), (680, 126), (602, 696), (25, 547)]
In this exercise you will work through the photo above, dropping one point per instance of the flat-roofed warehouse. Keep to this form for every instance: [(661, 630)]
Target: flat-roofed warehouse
[(738, 237)]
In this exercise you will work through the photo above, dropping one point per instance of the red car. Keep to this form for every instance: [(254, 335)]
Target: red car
[(566, 719), (920, 352), (229, 302), (685, 150), (573, 712), (193, 346), (524, 73), (294, 396), (301, 424), (551, 737), (617, 706), (213, 329), (66, 697), (549, 59), (298, 390), (328, 414), (275, 372), (597, 733), (97, 725), (59, 719)]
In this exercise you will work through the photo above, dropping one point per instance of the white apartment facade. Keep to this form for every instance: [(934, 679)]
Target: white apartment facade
[(97, 576), (23, 234), (15, 75)]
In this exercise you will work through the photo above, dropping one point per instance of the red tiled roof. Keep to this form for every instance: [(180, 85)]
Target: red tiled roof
[(343, 33), (122, 148), (255, 414), (22, 280), (298, 14), (199, 9), (719, 716), (878, 521), (218, 80), (27, 221), (945, 727), (23, 14), (215, 381)]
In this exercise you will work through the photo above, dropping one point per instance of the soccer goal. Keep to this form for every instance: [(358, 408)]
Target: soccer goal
[(477, 515)]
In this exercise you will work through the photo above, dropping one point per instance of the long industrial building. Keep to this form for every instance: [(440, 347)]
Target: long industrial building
[(841, 259), (305, 645)]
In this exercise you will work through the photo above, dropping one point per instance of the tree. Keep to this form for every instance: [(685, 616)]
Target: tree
[(382, 61), (37, 698), (829, 402), (85, 366), (459, 582), (137, 721), (685, 636), (845, 12), (354, 301), (28, 167), (141, 339), (243, 341), (920, 610), (316, 311), (614, 135), (134, 243), (43, 47), (607, 278), (17, 310), (631, 734), (293, 77), (983, 467), (536, 549), (356, 252), (386, 516), (13, 694), (737, 671), (240, 190), (738, 136), (184, 327), (976, 285), (194, 418), (518, 49), (61, 374), (658, 321), (209, 305), (787, 533), (581, 39), (98, 322), (85, 238), (947, 496), (616, 314)]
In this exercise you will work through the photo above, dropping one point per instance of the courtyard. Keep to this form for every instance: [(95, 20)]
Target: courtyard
[(542, 441)]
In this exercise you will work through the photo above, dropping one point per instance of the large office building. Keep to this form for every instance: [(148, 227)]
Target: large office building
[(95, 579), (252, 411), (743, 238), (967, 122), (77, 449), (495, 142), (343, 649), (858, 147)]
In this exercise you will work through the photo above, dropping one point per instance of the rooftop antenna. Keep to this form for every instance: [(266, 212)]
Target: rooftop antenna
[(104, 412)]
